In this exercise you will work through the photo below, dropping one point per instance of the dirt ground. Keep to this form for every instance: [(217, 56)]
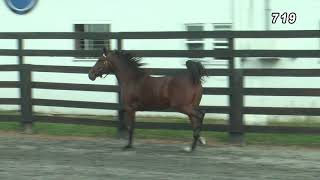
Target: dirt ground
[(45, 157)]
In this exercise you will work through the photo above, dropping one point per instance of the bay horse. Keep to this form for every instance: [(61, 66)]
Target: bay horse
[(142, 92)]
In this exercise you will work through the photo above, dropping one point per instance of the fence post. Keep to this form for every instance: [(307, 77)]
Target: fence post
[(25, 91), (122, 130), (236, 127)]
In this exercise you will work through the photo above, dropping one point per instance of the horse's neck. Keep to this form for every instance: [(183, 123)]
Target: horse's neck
[(126, 76)]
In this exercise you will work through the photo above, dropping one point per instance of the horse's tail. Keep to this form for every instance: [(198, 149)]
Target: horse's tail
[(197, 71)]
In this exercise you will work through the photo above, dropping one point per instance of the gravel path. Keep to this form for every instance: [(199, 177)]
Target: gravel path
[(35, 157)]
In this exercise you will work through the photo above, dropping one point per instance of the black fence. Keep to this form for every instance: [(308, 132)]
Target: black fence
[(236, 91)]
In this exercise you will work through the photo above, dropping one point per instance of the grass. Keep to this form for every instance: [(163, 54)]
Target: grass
[(9, 112), (220, 137), (146, 118), (283, 139), (309, 122)]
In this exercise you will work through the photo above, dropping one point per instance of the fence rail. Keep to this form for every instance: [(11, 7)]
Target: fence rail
[(236, 90), (162, 35), (219, 53)]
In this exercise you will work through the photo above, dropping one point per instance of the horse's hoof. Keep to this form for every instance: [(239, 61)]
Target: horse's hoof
[(127, 147), (188, 149), (202, 140)]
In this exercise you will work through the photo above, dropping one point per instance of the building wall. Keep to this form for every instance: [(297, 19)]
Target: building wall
[(253, 18)]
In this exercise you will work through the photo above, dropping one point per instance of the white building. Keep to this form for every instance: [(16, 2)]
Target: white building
[(165, 15)]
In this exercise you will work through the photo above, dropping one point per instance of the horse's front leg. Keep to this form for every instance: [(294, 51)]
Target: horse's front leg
[(131, 126)]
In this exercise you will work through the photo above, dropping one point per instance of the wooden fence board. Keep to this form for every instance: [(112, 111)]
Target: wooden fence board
[(163, 35), (9, 67), (9, 84), (74, 120), (282, 111), (277, 53), (76, 104), (10, 101), (77, 87), (282, 72), (219, 53), (97, 53), (152, 71), (282, 91)]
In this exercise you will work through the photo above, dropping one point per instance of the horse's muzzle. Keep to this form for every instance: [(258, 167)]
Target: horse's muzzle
[(91, 76)]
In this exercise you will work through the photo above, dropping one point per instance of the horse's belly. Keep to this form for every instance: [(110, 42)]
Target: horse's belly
[(154, 94), (154, 103)]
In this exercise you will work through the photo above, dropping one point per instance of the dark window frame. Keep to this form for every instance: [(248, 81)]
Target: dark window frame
[(195, 41), (90, 44)]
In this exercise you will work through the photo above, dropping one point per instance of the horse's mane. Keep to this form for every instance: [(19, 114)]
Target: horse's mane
[(133, 62)]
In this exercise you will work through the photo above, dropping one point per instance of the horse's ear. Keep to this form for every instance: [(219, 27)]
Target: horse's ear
[(105, 51)]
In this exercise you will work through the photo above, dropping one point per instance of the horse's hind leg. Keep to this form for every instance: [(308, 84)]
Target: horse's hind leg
[(196, 122), (202, 113)]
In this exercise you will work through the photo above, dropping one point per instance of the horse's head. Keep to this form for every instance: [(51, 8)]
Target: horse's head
[(102, 66)]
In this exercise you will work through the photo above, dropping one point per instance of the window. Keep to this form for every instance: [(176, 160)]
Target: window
[(217, 43), (196, 43), (92, 44), (221, 43), (195, 46)]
